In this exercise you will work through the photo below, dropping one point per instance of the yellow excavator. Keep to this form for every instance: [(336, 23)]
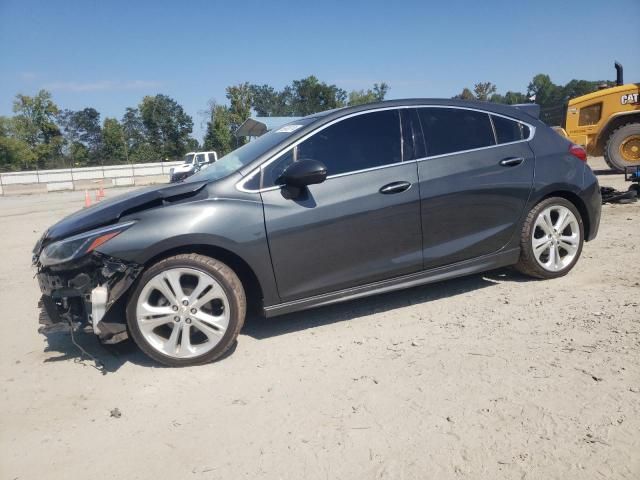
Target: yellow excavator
[(607, 122)]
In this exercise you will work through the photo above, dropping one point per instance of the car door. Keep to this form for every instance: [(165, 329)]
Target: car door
[(474, 182), (360, 225)]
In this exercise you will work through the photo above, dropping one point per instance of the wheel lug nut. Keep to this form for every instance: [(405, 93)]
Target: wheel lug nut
[(188, 320), (176, 318), (175, 308), (193, 311), (185, 302)]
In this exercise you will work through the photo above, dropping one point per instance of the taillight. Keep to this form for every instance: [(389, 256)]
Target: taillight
[(578, 152)]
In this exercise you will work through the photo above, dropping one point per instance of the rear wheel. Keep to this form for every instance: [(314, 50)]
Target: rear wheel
[(623, 147), (551, 239), (186, 310)]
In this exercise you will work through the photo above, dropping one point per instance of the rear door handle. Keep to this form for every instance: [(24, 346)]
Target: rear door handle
[(511, 161), (395, 187)]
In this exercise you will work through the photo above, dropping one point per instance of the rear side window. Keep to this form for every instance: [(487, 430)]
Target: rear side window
[(449, 130), (507, 130), (360, 142)]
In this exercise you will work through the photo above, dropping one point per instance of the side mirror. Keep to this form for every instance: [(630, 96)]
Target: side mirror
[(300, 174), (303, 173)]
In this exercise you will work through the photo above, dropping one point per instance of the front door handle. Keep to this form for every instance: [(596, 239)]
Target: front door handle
[(395, 187), (511, 161)]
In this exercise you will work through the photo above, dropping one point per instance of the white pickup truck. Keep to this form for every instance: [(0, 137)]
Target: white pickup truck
[(193, 162)]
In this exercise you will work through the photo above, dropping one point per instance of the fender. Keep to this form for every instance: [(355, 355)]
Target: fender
[(197, 224)]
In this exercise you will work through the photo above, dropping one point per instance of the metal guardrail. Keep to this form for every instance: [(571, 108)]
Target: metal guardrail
[(72, 178)]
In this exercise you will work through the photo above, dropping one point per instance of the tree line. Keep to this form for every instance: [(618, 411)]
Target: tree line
[(552, 98), (41, 135)]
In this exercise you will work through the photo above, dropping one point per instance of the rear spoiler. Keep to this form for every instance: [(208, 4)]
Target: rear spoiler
[(532, 109)]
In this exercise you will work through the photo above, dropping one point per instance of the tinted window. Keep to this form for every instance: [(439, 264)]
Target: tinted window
[(200, 158), (243, 156), (449, 130), (506, 130), (273, 171), (364, 141), (412, 139), (526, 131)]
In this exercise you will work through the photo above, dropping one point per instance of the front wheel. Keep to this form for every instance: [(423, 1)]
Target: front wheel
[(551, 239), (186, 310)]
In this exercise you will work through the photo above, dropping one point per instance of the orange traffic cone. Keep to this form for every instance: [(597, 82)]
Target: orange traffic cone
[(87, 199), (97, 196), (101, 191)]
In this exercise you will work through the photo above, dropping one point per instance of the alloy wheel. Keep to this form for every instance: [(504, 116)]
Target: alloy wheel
[(556, 238), (183, 312)]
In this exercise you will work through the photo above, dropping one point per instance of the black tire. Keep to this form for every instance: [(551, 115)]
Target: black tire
[(232, 287), (612, 148), (528, 263)]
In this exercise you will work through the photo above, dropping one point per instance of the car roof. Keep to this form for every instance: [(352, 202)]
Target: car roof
[(499, 108)]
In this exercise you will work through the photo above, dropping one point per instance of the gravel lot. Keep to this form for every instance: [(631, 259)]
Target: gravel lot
[(487, 377)]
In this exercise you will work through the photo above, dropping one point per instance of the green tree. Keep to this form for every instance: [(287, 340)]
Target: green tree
[(15, 154), (268, 102), (577, 88), (484, 90), (34, 123), (309, 95), (514, 98), (466, 94), (380, 90), (544, 91), (82, 134), (166, 126), (114, 144), (377, 94), (219, 136), (240, 99), (138, 151), (193, 145)]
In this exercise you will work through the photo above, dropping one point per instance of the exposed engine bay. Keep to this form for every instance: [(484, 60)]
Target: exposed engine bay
[(85, 295)]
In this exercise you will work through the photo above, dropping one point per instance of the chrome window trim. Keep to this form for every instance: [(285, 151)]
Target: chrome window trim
[(266, 163)]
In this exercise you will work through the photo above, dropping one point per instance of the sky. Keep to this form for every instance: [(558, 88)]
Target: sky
[(109, 54)]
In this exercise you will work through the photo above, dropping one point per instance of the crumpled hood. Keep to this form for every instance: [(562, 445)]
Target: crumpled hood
[(110, 211)]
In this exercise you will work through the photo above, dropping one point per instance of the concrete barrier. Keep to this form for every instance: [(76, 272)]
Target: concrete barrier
[(85, 178)]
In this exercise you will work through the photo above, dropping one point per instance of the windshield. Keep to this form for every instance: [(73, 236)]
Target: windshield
[(188, 158), (235, 160)]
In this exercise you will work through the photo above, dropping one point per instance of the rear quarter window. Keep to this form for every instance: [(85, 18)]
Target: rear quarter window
[(507, 130)]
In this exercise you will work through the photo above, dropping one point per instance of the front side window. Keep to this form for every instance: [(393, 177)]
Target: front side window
[(449, 130), (243, 156), (507, 130), (357, 143), (200, 158), (271, 175)]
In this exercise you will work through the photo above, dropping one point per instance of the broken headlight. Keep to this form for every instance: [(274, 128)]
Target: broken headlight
[(78, 245)]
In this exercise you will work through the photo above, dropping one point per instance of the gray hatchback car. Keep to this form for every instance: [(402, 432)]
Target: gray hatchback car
[(331, 207)]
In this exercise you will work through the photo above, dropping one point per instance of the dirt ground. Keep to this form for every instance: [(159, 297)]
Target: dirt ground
[(492, 376)]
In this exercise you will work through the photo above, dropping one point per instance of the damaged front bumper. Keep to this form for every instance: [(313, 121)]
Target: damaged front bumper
[(87, 294)]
